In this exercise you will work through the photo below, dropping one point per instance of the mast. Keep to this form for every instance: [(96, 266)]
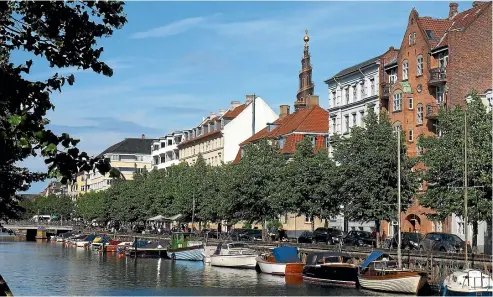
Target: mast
[(466, 225), (193, 208), (399, 253)]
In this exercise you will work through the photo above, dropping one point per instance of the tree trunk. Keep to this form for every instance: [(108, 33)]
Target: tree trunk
[(312, 224), (377, 229)]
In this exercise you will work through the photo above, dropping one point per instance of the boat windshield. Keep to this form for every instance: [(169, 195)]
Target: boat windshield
[(238, 246)]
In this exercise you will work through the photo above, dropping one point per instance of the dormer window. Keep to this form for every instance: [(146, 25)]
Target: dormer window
[(281, 141), (271, 126)]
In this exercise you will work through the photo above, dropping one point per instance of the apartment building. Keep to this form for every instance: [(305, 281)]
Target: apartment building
[(165, 150), (218, 136)]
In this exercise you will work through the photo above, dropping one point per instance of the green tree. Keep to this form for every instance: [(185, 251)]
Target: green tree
[(368, 171), (309, 186), (253, 192), (443, 158), (65, 34)]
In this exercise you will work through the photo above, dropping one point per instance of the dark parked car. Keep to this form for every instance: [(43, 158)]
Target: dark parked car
[(305, 237), (443, 242), (251, 235), (360, 238), (209, 233), (409, 240), (328, 235)]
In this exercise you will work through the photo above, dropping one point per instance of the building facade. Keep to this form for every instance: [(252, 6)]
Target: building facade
[(438, 65), (165, 150), (217, 137), (128, 156)]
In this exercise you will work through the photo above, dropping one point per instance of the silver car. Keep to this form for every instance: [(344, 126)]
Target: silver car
[(443, 242)]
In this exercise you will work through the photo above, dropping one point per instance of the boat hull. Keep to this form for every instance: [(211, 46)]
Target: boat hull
[(402, 282), (193, 253), (234, 261), (279, 268), (452, 292), (338, 274)]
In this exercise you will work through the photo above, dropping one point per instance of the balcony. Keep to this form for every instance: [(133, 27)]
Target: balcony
[(385, 91), (432, 111), (437, 76)]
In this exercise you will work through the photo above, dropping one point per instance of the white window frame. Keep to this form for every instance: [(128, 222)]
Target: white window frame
[(419, 65), (334, 123), (442, 60), (354, 124), (397, 102), (346, 123), (410, 136), (362, 118), (347, 95), (440, 91), (308, 220), (409, 39), (410, 103), (419, 114), (393, 76), (372, 86), (362, 90), (355, 93), (414, 37), (115, 157), (405, 70)]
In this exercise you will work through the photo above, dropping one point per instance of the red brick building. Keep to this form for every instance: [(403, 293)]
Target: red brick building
[(439, 62)]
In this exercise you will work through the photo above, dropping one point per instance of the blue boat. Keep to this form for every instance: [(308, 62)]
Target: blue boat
[(468, 282)]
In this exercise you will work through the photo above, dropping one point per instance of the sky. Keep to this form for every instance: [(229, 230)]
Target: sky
[(175, 62)]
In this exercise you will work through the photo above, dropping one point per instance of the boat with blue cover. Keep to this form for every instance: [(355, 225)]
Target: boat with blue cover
[(284, 260)]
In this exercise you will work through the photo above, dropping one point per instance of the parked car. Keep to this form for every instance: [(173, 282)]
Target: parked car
[(443, 242), (235, 233), (209, 233), (360, 238), (251, 235), (409, 240), (328, 235), (305, 237)]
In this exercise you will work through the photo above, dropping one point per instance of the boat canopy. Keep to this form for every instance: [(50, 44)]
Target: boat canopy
[(372, 257), (324, 257), (286, 254)]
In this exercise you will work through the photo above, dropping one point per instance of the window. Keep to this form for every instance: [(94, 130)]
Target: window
[(334, 98), (405, 67), (334, 125), (439, 94), (354, 120), (430, 35), (115, 157), (354, 93), (362, 118), (372, 86), (139, 158), (281, 142), (347, 95), (410, 136), (419, 114), (410, 103), (393, 76), (414, 38), (308, 219), (346, 124), (409, 39), (362, 89), (397, 102), (419, 65), (442, 60)]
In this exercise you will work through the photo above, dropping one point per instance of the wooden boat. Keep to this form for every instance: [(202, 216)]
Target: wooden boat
[(468, 282), (110, 247), (184, 248), (283, 261), (331, 267), (384, 275), (234, 255)]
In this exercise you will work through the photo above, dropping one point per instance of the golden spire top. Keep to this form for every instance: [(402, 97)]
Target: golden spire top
[(306, 38)]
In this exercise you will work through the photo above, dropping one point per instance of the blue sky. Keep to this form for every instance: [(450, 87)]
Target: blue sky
[(175, 62)]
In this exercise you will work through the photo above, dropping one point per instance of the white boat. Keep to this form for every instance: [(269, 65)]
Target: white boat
[(208, 252), (468, 282), (60, 239), (183, 248), (384, 275), (234, 255), (283, 261)]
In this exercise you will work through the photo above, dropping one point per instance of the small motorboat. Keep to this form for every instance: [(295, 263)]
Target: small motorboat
[(86, 241), (99, 241), (384, 275), (334, 268), (234, 255), (208, 252), (468, 282), (110, 247), (283, 261), (183, 247)]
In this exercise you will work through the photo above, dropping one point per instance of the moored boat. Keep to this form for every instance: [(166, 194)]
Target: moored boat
[(384, 275), (183, 247), (85, 242), (234, 255), (331, 267), (468, 282), (283, 261)]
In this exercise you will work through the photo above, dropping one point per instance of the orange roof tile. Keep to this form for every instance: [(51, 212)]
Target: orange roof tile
[(200, 137), (233, 113), (438, 26)]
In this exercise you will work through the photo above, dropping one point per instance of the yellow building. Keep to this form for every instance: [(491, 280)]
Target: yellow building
[(127, 156)]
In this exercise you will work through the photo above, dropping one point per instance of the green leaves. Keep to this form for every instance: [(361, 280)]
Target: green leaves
[(15, 120)]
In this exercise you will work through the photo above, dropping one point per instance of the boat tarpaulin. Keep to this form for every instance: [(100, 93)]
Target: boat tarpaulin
[(372, 257), (286, 254)]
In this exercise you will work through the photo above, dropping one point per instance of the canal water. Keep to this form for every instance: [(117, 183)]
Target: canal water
[(47, 268)]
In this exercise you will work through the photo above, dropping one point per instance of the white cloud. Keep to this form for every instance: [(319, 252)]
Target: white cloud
[(173, 28)]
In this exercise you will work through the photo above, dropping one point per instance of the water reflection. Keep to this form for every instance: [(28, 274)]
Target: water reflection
[(54, 269)]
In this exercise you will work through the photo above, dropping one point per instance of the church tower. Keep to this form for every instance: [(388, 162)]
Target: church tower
[(306, 85)]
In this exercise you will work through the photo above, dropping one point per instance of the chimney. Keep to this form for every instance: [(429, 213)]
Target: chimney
[(222, 112), (143, 136), (454, 7), (284, 111), (312, 101), (235, 104), (249, 99)]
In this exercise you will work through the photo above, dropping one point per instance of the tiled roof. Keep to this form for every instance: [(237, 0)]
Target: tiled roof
[(355, 67), (463, 20), (233, 113), (438, 26), (311, 119), (215, 132), (130, 146)]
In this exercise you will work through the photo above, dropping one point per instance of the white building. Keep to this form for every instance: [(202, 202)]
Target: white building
[(217, 138), (165, 150)]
